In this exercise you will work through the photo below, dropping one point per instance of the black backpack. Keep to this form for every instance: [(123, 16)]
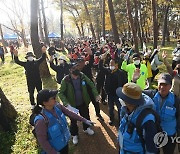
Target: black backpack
[(31, 121), (140, 119)]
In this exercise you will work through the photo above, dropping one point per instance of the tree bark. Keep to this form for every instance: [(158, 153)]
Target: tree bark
[(45, 23), (3, 41), (113, 22), (135, 39), (89, 18), (7, 112), (165, 25), (44, 70), (137, 22), (23, 36), (155, 23), (61, 20), (103, 19), (40, 26)]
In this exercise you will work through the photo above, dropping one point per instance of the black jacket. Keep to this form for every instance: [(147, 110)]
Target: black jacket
[(31, 68), (113, 79), (61, 70)]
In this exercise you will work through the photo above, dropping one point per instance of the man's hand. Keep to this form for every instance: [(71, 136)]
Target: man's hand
[(136, 75), (43, 49), (51, 59), (164, 55), (15, 52), (98, 98)]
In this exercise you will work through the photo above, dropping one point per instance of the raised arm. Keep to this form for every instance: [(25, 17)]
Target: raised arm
[(16, 59), (43, 57), (168, 67)]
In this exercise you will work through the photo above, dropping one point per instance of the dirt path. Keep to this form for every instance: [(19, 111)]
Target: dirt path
[(104, 141)]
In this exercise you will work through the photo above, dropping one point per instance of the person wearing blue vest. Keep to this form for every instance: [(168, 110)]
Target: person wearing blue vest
[(133, 103), (167, 106), (51, 127)]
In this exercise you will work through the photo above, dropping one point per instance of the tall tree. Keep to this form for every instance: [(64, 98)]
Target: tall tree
[(155, 23), (44, 70), (8, 113), (103, 18), (89, 19), (137, 22), (41, 34), (134, 32), (165, 25), (17, 23), (45, 23), (61, 20), (113, 21)]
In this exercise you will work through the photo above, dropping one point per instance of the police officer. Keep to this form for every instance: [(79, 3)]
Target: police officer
[(128, 137)]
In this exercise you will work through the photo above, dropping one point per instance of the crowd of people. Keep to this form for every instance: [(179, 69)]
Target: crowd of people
[(107, 73)]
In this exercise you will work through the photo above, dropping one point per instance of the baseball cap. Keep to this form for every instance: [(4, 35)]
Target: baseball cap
[(44, 95), (165, 78)]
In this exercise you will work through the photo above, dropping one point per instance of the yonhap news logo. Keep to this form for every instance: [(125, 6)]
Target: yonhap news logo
[(161, 139)]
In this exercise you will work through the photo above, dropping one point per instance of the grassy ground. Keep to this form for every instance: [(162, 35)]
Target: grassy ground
[(13, 83)]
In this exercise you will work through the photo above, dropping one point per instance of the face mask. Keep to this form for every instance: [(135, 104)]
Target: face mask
[(76, 72), (30, 58), (137, 62), (61, 61), (112, 68)]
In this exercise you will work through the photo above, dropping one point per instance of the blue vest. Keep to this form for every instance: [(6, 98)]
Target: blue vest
[(131, 143), (167, 112), (58, 131)]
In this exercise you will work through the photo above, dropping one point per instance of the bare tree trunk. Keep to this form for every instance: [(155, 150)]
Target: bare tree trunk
[(82, 29), (103, 18), (137, 22), (135, 39), (44, 70), (113, 21), (40, 27), (165, 25), (7, 112), (23, 36), (3, 41), (168, 35), (61, 20), (155, 23), (89, 18), (45, 23), (76, 22)]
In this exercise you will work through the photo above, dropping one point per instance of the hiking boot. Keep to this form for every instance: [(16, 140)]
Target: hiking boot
[(89, 131), (100, 117), (75, 139)]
